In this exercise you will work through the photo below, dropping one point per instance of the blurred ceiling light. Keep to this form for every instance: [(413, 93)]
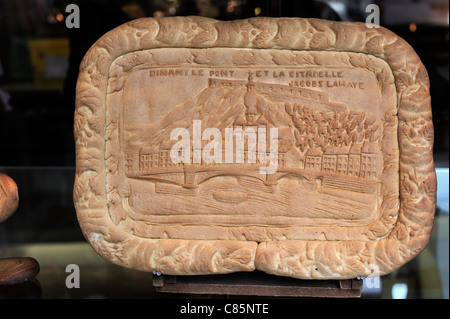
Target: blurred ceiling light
[(232, 6), (258, 11), (413, 27), (172, 11), (158, 14), (207, 9), (59, 17), (338, 6), (399, 291), (134, 11), (51, 19)]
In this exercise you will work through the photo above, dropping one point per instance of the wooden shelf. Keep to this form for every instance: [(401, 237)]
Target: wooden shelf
[(257, 284)]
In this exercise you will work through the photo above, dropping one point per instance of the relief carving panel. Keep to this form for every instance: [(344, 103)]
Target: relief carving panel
[(274, 144), (328, 170)]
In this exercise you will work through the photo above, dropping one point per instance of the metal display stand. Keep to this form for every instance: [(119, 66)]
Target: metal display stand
[(257, 284)]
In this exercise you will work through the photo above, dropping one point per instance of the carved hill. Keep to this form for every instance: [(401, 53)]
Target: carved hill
[(217, 108)]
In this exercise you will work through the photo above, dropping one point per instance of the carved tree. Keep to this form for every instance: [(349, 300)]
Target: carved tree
[(320, 129)]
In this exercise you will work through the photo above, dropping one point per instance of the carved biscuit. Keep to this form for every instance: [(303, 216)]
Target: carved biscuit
[(299, 147), (9, 197)]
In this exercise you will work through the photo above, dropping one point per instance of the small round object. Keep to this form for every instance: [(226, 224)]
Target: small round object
[(9, 197)]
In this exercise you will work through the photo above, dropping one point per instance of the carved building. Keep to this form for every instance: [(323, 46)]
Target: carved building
[(330, 159), (313, 160), (342, 160), (354, 160), (280, 93), (369, 161), (359, 160)]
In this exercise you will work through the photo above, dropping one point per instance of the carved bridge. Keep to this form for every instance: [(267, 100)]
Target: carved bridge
[(191, 176)]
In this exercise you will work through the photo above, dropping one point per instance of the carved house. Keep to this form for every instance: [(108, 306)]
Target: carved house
[(342, 160), (129, 162), (354, 160), (330, 159), (369, 161), (164, 154), (148, 158), (286, 142), (313, 160)]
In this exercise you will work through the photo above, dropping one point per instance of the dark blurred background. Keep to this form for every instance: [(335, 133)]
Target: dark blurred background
[(39, 60)]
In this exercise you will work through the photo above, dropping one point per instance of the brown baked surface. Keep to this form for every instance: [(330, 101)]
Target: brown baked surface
[(354, 191), (9, 197), (17, 270)]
